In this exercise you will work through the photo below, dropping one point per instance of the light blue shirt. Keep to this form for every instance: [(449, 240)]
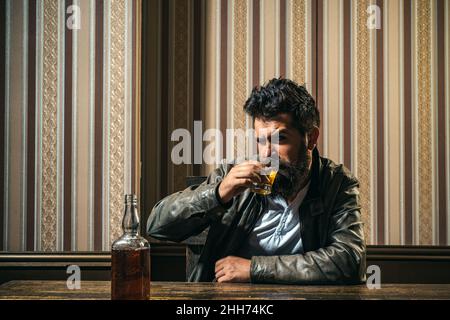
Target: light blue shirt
[(277, 231)]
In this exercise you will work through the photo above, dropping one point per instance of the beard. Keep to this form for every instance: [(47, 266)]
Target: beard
[(291, 177)]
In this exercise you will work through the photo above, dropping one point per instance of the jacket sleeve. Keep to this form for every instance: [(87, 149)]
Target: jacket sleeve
[(188, 212), (342, 261)]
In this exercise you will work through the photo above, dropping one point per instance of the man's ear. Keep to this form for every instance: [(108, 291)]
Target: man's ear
[(313, 136)]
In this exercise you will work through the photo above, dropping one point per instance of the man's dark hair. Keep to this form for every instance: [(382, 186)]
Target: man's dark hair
[(284, 96)]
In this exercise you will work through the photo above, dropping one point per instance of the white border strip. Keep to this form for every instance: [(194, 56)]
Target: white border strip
[(386, 187), (217, 65), (308, 46), (249, 60), (289, 40), (106, 124), (60, 127), (24, 188), (91, 124), (7, 107), (402, 125), (353, 105), (74, 223), (128, 96), (230, 76), (375, 143), (415, 133), (434, 129), (39, 107)]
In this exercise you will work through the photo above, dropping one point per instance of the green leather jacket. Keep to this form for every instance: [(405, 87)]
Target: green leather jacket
[(330, 218)]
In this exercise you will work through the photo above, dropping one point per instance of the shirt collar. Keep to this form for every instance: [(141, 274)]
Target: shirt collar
[(295, 204), (299, 197)]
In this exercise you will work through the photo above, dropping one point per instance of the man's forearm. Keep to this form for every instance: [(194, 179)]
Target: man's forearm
[(336, 264), (185, 213)]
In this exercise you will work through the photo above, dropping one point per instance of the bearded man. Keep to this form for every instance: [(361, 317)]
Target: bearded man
[(308, 230)]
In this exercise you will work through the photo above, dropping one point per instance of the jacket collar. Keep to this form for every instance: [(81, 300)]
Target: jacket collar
[(313, 197)]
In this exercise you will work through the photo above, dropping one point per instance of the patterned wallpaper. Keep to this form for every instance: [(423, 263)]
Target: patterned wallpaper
[(382, 93), (70, 105), (69, 148)]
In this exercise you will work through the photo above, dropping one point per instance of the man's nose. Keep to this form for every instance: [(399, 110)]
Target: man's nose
[(267, 151)]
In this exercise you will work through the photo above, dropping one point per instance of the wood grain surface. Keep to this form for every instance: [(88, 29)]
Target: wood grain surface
[(100, 290)]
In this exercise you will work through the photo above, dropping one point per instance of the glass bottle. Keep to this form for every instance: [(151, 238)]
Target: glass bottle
[(130, 258)]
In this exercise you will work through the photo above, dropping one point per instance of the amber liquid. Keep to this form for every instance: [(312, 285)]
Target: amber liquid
[(265, 187), (130, 274)]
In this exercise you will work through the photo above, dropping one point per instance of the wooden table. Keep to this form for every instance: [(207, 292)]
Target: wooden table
[(100, 290)]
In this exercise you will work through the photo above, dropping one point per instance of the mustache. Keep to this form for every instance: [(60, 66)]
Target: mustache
[(289, 177), (287, 169), (287, 172)]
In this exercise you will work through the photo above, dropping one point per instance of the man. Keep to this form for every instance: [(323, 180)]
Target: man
[(308, 231)]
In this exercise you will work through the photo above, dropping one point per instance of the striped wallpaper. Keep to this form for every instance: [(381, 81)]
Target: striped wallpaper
[(69, 122), (70, 108), (383, 94)]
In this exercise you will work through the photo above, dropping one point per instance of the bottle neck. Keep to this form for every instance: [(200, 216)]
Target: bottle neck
[(130, 222)]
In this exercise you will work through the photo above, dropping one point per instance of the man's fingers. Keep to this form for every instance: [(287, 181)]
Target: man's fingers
[(246, 182), (219, 264), (249, 162), (249, 167), (220, 273), (249, 175), (224, 278)]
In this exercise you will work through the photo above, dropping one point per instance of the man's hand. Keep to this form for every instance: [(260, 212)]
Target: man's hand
[(233, 269), (239, 178)]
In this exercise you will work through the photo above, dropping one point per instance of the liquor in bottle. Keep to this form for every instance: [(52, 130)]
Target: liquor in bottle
[(130, 258)]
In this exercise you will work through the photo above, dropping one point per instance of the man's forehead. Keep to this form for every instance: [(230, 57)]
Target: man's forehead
[(278, 123)]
